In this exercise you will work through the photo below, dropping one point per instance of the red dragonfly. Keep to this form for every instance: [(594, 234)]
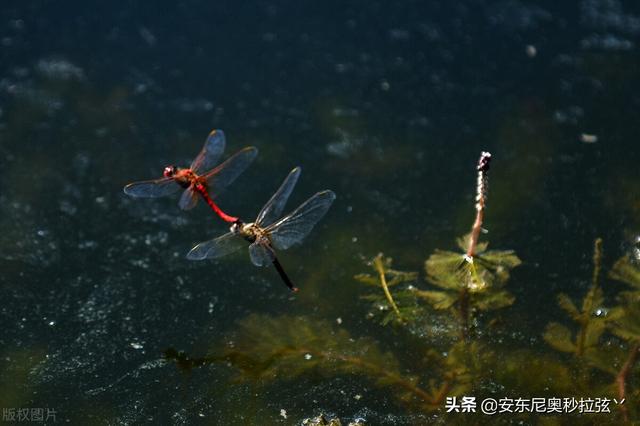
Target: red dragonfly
[(198, 179), (269, 233)]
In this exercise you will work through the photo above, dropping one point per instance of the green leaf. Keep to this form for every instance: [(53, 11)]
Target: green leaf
[(443, 269), (437, 299), (367, 279), (595, 328), (463, 243), (493, 300), (523, 371), (501, 258), (399, 277), (624, 320), (606, 358), (559, 337), (569, 307), (626, 271), (592, 299)]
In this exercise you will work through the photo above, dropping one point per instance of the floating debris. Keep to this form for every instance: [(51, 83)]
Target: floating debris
[(60, 69), (321, 420), (588, 138), (531, 51)]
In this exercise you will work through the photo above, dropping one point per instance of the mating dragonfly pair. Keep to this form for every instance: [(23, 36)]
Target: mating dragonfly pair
[(266, 234)]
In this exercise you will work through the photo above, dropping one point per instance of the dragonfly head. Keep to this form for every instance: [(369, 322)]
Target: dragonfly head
[(169, 171)]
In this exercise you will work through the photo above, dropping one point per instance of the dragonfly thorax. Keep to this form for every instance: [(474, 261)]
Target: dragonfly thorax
[(183, 177), (248, 231)]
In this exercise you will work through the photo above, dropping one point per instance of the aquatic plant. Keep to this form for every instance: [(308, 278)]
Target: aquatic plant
[(602, 346), (591, 323), (474, 280), (468, 284), (400, 307), (591, 344), (628, 272), (468, 281), (286, 347), (624, 322)]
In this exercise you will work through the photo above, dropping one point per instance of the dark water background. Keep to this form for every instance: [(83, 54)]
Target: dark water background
[(387, 104)]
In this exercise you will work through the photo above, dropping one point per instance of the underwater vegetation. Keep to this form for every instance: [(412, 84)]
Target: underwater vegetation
[(460, 345)]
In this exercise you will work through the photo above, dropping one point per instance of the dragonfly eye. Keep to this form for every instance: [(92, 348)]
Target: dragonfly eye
[(169, 171)]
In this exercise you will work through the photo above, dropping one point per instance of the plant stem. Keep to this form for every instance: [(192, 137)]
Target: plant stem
[(586, 312), (379, 266), (621, 378), (441, 394), (481, 195), (597, 261), (475, 232), (463, 305)]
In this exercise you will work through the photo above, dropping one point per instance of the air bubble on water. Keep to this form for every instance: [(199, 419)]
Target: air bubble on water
[(600, 312), (531, 51), (84, 245), (67, 207), (212, 305)]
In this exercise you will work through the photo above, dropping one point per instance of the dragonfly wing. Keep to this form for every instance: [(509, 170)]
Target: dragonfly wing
[(188, 199), (292, 228), (210, 153), (273, 209), (152, 188), (261, 254), (218, 247), (223, 175)]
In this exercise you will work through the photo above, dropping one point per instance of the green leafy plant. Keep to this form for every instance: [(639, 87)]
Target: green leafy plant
[(628, 272), (468, 284), (591, 345), (468, 281), (624, 321), (287, 347), (589, 319), (398, 308), (601, 346)]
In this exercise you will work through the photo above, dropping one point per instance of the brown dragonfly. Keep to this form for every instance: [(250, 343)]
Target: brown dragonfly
[(268, 233), (202, 177)]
